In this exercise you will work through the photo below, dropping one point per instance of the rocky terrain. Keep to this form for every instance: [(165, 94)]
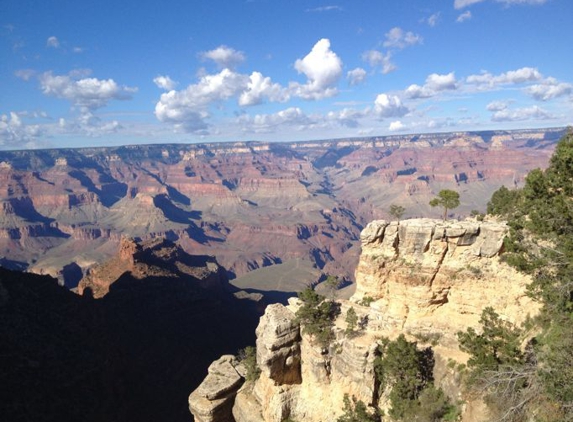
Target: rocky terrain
[(133, 354), (426, 279), (249, 204)]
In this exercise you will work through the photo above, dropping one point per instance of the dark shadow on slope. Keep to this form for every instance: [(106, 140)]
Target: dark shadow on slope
[(134, 355), (331, 157), (178, 196), (72, 274), (111, 192), (172, 212)]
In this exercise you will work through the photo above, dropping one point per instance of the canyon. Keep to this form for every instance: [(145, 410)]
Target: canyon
[(250, 204), (422, 278), (148, 323)]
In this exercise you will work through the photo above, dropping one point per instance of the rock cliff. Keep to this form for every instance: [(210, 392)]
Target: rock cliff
[(426, 279)]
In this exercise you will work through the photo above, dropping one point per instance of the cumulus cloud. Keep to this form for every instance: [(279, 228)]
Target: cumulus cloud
[(520, 114), (464, 16), (346, 117), (224, 57), (398, 38), (356, 76), (87, 93), (165, 82), (292, 117), (435, 83), (376, 58), (497, 105), (389, 106), (15, 133), (323, 69), (260, 87), (486, 80), (549, 89), (460, 4), (53, 42), (397, 126), (188, 109)]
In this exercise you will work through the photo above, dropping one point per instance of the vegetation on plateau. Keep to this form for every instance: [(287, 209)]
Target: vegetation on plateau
[(248, 357), (316, 315), (447, 199), (407, 373), (532, 382)]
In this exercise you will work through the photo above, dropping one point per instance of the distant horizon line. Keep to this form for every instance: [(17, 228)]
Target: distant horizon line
[(255, 142)]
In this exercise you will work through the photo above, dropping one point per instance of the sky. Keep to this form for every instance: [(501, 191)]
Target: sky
[(77, 73)]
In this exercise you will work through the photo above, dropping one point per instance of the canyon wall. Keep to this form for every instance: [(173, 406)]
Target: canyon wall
[(426, 279), (250, 204)]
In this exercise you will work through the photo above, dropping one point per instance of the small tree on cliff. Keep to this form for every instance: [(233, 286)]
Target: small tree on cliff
[(397, 211), (316, 316), (447, 199)]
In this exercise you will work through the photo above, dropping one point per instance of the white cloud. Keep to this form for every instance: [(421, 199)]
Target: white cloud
[(398, 38), (389, 106), (460, 4), (376, 58), (415, 91), (323, 69), (188, 109), (520, 114), (77, 50), (15, 133), (87, 93), (435, 83), (464, 16), (356, 76), (549, 89), (497, 105), (397, 126), (25, 74), (292, 117), (165, 82), (433, 19), (326, 9), (224, 57), (438, 82), (260, 87), (486, 80), (53, 42), (346, 117)]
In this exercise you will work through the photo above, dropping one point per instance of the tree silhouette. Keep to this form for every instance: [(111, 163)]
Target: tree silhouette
[(397, 211), (448, 199)]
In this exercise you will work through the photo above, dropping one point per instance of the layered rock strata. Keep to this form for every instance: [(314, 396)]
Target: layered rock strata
[(426, 279)]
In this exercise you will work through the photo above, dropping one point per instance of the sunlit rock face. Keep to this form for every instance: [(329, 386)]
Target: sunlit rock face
[(424, 278)]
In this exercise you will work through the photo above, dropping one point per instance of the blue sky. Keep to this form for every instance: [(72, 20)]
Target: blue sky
[(91, 73)]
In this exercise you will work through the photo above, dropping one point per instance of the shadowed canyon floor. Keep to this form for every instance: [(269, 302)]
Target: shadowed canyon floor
[(133, 354)]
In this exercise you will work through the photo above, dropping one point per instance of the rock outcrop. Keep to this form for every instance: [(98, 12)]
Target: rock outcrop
[(214, 399), (426, 279), (157, 257)]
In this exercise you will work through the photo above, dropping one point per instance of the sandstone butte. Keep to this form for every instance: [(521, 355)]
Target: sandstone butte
[(424, 278)]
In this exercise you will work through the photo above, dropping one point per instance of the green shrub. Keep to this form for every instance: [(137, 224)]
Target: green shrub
[(248, 357), (316, 315), (356, 411)]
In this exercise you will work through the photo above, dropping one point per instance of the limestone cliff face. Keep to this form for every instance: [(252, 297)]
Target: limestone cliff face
[(433, 276), (422, 278)]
